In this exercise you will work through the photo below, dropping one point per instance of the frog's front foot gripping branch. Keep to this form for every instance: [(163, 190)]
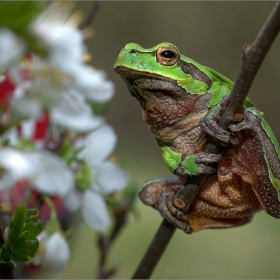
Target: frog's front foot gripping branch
[(197, 164), (210, 126)]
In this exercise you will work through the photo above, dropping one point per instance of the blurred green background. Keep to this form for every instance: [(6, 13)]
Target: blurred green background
[(212, 33)]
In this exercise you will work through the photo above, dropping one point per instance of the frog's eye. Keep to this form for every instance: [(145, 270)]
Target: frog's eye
[(167, 55)]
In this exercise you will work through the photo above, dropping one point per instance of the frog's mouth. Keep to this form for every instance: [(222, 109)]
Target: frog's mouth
[(140, 82), (162, 100)]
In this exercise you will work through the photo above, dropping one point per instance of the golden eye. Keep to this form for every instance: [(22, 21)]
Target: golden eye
[(167, 55)]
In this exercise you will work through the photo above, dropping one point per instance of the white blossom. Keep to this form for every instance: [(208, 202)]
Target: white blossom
[(44, 171), (106, 178), (58, 30), (53, 252)]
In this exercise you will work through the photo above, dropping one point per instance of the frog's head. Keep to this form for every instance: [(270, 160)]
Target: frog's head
[(162, 80)]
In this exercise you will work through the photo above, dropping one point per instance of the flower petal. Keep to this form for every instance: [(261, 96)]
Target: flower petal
[(72, 201), (57, 252), (98, 145), (94, 211), (73, 112), (109, 178), (11, 48), (52, 176)]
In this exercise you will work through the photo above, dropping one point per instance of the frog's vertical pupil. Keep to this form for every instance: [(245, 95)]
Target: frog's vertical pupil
[(167, 54)]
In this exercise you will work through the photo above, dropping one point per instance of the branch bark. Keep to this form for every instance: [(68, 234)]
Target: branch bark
[(253, 56)]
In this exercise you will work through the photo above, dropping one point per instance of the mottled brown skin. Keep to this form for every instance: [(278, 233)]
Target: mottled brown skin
[(239, 188)]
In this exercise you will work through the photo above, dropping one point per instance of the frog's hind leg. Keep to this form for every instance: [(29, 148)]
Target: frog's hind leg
[(199, 223), (153, 189)]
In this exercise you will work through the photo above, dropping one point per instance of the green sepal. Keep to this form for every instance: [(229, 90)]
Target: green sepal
[(67, 152), (190, 166), (83, 176), (99, 109)]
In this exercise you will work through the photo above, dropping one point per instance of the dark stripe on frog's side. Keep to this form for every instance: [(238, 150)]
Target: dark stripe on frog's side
[(197, 74), (270, 143), (270, 151)]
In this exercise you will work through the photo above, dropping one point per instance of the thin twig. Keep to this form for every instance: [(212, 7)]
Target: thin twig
[(252, 59), (91, 15)]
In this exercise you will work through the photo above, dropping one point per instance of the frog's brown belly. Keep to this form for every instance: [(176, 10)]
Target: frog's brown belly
[(225, 197)]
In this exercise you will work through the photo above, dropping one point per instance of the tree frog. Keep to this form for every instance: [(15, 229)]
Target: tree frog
[(181, 101)]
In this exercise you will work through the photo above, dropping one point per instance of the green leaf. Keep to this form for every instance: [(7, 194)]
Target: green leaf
[(32, 224), (25, 248), (17, 15), (22, 243), (16, 224), (6, 253)]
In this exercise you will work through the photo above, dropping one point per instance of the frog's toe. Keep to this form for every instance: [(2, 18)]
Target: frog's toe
[(218, 133), (206, 158), (171, 214)]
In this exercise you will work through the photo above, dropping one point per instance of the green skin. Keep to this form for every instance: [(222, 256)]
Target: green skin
[(181, 101)]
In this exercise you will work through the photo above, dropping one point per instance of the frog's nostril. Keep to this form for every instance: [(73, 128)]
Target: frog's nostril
[(133, 51)]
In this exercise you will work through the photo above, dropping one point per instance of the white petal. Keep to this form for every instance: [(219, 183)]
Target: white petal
[(11, 135), (73, 112), (94, 211), (2, 78), (57, 252), (19, 164), (46, 172), (11, 48), (90, 82), (72, 201), (27, 127), (52, 176), (109, 178), (98, 145)]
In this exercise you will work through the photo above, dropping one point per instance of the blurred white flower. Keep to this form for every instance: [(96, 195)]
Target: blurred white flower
[(53, 252), (61, 83), (106, 178), (11, 48), (48, 88), (57, 29), (45, 171)]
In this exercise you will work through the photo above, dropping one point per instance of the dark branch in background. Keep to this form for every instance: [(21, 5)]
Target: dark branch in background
[(91, 15), (105, 242), (253, 55)]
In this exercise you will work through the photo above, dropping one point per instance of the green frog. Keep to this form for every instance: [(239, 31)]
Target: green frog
[(181, 102)]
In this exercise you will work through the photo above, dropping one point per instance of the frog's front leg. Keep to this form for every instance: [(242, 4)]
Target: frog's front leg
[(197, 164), (210, 126), (190, 165)]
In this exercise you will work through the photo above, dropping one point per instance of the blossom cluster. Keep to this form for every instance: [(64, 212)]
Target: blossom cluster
[(51, 138)]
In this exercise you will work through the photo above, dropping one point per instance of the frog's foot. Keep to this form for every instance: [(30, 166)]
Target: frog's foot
[(153, 189), (197, 164), (240, 126), (210, 126), (171, 214)]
